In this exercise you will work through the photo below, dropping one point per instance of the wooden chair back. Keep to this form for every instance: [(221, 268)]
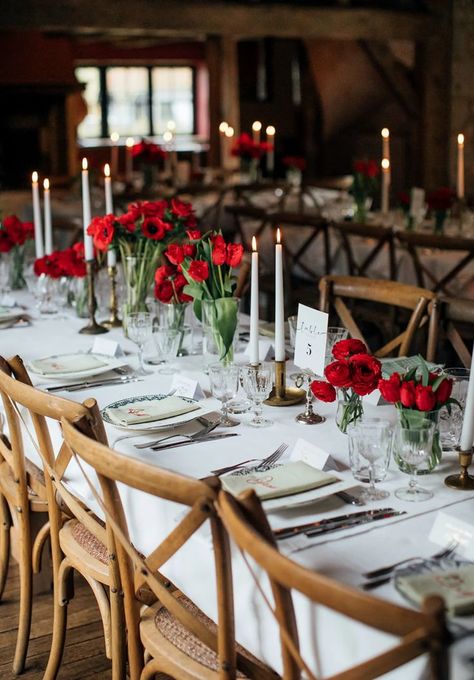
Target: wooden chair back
[(335, 290), (243, 216), (457, 316), (419, 632), (199, 496), (379, 239), (415, 242)]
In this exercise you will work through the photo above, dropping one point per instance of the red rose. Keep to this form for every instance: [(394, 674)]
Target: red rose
[(235, 252), (219, 255), (164, 291), (360, 167), (153, 228), (366, 371), (323, 391), (127, 220), (390, 389), (181, 209), (372, 169), (346, 348), (163, 272), (193, 234), (189, 249), (425, 398), (14, 229), (444, 391), (339, 374), (198, 270), (102, 230), (407, 393), (175, 254), (5, 243)]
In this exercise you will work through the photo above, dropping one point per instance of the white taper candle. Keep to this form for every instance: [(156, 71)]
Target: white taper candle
[(279, 302), (86, 212), (256, 129), (467, 432), (460, 172), (48, 226), (254, 320), (109, 209), (39, 250), (385, 185), (271, 152)]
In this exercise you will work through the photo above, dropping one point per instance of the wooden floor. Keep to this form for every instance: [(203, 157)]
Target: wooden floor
[(84, 656)]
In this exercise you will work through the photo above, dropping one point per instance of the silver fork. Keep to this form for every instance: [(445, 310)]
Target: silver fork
[(202, 420), (263, 465), (197, 435)]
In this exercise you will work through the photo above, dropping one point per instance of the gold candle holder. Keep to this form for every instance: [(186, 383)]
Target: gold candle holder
[(114, 321), (92, 328), (463, 480), (281, 395)]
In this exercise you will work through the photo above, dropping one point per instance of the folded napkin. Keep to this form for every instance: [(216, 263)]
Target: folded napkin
[(283, 480), (67, 363), (455, 586), (404, 364), (148, 411)]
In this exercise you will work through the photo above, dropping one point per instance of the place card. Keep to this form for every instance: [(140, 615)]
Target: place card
[(315, 456), (417, 202), (449, 528), (186, 387), (265, 350), (108, 348), (310, 341)]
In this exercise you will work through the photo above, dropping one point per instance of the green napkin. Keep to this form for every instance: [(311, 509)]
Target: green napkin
[(455, 586), (149, 411)]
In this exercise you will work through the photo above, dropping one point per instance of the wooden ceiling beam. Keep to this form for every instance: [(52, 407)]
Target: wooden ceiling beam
[(198, 19)]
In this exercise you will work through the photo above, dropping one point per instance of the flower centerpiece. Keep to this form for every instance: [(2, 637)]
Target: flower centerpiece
[(211, 284), (364, 187), (67, 265), (354, 373), (149, 156), (13, 235), (141, 235), (250, 154), (170, 283), (295, 166), (419, 395), (439, 202)]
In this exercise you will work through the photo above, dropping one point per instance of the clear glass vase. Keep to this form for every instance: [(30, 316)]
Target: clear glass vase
[(79, 296), (413, 419), (220, 329), (17, 265), (139, 272), (349, 409)]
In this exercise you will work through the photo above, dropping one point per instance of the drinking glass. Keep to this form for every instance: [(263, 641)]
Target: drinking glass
[(258, 383), (5, 265), (139, 330), (414, 447), (167, 343), (450, 424), (372, 440), (334, 334), (224, 386)]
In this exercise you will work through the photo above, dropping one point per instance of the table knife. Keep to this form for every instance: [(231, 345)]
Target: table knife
[(90, 383), (349, 498), (339, 526), (210, 438), (303, 528)]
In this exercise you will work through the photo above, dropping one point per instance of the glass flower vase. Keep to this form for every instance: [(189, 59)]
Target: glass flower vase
[(138, 272), (220, 328), (349, 409), (413, 419), (17, 264)]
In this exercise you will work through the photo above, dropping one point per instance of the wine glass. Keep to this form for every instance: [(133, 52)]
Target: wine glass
[(414, 447), (370, 439), (139, 329), (224, 379), (167, 343), (334, 334), (258, 383)]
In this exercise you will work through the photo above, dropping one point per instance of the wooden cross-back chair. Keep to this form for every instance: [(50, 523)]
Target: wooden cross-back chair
[(335, 291), (250, 194), (178, 638), (416, 242), (242, 214), (420, 633), (78, 539), (381, 238), (212, 213), (457, 316)]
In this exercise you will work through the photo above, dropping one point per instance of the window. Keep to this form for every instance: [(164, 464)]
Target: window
[(136, 100)]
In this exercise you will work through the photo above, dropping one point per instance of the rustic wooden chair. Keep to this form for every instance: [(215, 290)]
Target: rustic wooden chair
[(457, 317), (179, 639), (416, 242), (419, 632), (336, 290), (243, 215), (78, 539), (381, 239)]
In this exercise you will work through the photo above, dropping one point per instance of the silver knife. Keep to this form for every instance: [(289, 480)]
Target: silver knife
[(210, 438), (351, 523), (102, 383), (349, 498), (68, 386), (303, 528)]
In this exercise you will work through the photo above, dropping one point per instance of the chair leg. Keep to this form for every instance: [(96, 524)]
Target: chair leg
[(61, 602), (24, 622), (117, 634), (5, 524)]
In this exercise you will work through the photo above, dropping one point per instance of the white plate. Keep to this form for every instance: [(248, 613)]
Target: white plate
[(307, 497), (157, 424), (9, 314), (110, 364)]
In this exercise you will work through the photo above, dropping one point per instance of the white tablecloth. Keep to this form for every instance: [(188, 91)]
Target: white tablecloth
[(343, 556)]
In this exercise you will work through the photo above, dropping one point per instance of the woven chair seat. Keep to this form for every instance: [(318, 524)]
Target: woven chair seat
[(89, 542)]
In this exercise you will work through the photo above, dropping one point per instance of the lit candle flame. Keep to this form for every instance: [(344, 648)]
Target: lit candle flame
[(254, 244), (107, 170), (129, 142), (84, 163), (385, 164), (114, 137), (34, 177), (385, 133), (223, 126), (171, 125), (270, 131), (256, 126), (46, 185), (278, 235), (229, 131), (460, 139), (168, 136)]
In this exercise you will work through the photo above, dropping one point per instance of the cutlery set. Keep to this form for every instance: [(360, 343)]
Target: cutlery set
[(77, 387)]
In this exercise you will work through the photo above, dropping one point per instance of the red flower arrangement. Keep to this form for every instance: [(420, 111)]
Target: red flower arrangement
[(68, 262), (364, 185), (296, 162), (323, 391), (247, 149), (169, 284), (148, 152), (14, 232), (428, 392), (368, 169), (441, 199)]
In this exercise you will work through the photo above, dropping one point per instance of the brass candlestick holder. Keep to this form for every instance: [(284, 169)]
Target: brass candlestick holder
[(114, 321), (92, 328), (463, 480), (281, 395)]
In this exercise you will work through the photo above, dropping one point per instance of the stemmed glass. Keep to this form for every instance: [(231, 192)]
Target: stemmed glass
[(167, 343), (370, 439), (224, 381), (258, 383), (334, 334), (414, 447), (139, 329)]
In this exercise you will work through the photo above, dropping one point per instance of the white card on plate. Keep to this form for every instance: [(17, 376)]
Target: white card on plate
[(314, 455), (186, 387), (310, 342), (109, 348)]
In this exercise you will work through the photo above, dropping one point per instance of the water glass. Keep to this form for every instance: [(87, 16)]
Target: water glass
[(167, 343), (414, 447), (334, 334), (224, 386), (370, 440), (139, 330), (258, 383), (450, 424)]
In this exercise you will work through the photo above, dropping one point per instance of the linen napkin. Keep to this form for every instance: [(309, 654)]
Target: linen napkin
[(283, 480), (149, 411), (455, 586), (66, 363)]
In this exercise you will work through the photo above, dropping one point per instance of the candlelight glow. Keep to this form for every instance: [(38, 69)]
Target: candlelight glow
[(385, 164), (114, 137), (84, 163), (171, 125), (107, 170), (46, 185), (270, 130), (223, 127), (129, 142), (256, 126), (229, 131), (168, 136), (34, 177), (385, 133), (460, 139), (254, 244), (278, 235)]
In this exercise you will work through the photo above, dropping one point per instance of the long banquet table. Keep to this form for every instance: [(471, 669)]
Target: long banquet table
[(343, 556)]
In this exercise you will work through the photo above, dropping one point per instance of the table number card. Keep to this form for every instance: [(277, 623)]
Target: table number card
[(310, 341)]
